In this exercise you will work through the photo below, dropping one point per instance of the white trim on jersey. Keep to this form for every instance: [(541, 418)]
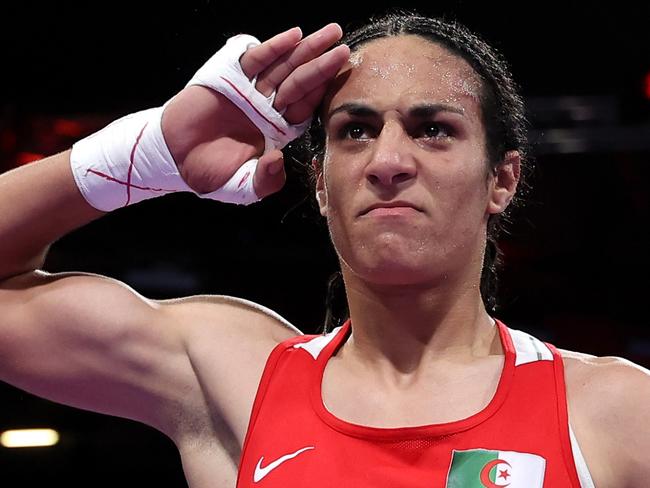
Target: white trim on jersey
[(317, 344), (584, 476), (529, 348)]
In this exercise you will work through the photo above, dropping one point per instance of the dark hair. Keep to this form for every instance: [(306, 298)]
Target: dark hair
[(503, 117)]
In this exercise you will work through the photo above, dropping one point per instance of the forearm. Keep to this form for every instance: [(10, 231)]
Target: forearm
[(39, 203), (216, 139)]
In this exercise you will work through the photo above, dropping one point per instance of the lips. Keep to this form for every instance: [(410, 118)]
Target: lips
[(394, 204)]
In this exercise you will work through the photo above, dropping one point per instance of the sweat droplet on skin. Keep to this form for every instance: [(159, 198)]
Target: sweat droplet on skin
[(467, 84), (356, 58), (384, 72), (464, 87), (470, 88)]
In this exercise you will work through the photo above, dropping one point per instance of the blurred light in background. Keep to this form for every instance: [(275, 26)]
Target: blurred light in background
[(646, 86), (29, 438), (26, 157)]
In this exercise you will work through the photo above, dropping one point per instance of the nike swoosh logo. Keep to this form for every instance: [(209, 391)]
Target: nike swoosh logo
[(261, 472)]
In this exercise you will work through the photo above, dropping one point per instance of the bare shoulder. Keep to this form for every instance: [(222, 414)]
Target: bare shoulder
[(228, 331), (228, 341), (599, 385), (610, 397), (246, 317), (614, 381), (602, 372)]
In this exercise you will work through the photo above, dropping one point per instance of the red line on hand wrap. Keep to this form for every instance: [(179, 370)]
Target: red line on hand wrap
[(243, 180), (128, 183), (110, 178), (253, 106), (131, 164)]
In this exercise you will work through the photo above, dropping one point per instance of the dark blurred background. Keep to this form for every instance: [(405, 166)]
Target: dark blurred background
[(576, 260)]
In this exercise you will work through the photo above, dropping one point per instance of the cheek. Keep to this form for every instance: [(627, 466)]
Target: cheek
[(460, 198), (342, 182), (341, 188)]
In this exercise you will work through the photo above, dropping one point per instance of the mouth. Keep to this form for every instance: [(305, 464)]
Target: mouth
[(391, 208)]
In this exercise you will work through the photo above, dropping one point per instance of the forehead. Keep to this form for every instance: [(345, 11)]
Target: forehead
[(399, 71)]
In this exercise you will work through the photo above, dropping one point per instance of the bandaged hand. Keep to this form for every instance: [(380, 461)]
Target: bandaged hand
[(221, 136)]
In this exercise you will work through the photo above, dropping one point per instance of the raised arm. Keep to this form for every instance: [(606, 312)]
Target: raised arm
[(93, 342)]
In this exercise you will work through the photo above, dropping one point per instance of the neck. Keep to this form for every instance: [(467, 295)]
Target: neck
[(401, 328)]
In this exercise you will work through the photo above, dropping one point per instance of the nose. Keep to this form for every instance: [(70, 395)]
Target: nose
[(391, 161)]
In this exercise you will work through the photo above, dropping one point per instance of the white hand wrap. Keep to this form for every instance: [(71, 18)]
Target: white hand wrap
[(223, 73), (128, 161)]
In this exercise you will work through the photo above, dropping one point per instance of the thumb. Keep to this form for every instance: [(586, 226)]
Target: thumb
[(270, 175)]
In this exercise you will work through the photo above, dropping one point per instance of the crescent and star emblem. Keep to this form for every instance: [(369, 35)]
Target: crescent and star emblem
[(485, 473)]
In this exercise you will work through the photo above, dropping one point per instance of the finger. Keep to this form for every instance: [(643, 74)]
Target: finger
[(309, 48), (258, 58), (303, 109), (270, 175), (309, 77)]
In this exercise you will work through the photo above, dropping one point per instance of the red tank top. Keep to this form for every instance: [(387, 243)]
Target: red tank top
[(521, 439)]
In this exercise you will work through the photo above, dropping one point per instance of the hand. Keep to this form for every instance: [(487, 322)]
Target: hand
[(210, 138)]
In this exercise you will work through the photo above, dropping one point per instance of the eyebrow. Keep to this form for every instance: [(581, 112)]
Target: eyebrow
[(423, 110)]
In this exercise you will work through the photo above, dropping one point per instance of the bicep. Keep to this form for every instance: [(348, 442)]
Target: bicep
[(92, 342)]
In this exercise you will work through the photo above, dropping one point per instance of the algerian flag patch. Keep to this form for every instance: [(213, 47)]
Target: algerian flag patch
[(482, 468)]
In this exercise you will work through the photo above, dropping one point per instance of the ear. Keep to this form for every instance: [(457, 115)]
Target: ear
[(321, 195), (503, 184)]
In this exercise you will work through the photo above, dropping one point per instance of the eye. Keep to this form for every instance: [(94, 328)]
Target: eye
[(353, 131), (356, 131), (436, 130)]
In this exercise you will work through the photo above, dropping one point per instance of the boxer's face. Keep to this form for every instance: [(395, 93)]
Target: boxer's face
[(403, 123)]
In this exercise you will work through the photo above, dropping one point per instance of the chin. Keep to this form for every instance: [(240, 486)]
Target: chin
[(393, 273), (385, 262)]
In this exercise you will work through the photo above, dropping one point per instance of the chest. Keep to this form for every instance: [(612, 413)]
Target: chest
[(432, 399)]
